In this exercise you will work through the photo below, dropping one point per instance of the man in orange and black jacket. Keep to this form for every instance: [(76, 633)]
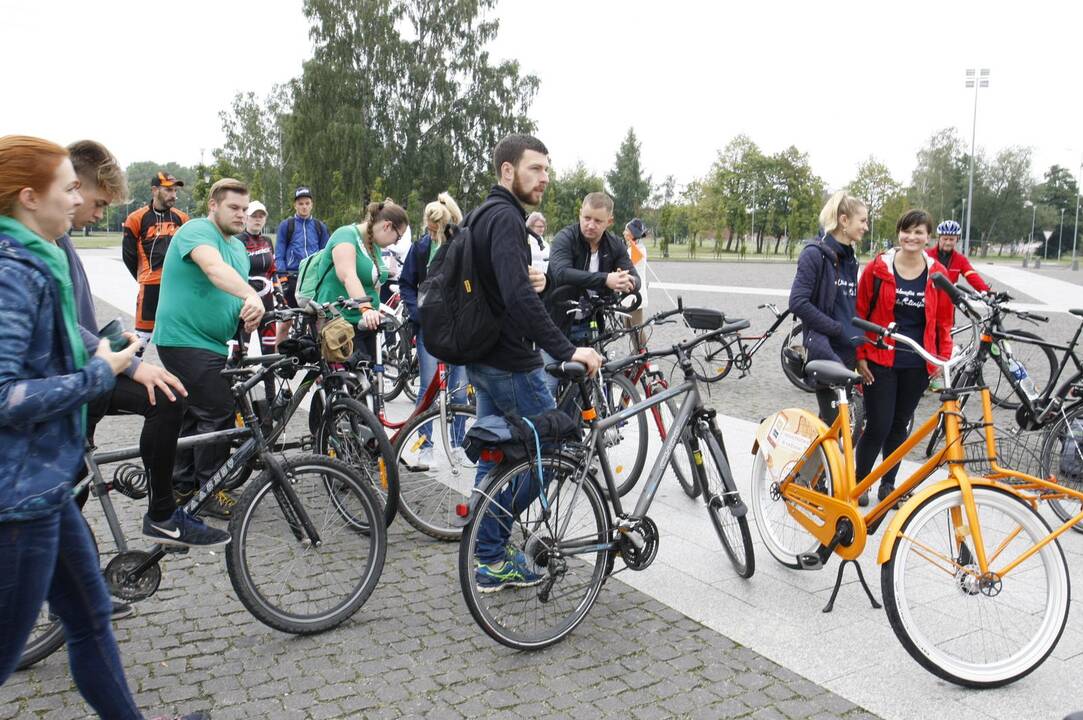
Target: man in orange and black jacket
[(147, 233)]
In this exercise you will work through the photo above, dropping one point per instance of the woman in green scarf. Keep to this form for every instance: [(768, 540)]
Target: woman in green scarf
[(46, 378)]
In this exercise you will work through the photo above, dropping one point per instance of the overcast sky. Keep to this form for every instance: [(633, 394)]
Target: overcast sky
[(840, 80)]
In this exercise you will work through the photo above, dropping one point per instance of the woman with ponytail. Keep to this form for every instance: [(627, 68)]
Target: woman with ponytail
[(351, 265), (438, 215), (48, 373), (824, 291)]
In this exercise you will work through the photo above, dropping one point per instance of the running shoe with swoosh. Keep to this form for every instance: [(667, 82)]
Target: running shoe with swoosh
[(183, 530)]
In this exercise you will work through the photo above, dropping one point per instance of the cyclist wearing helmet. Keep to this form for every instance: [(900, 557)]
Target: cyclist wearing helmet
[(948, 235)]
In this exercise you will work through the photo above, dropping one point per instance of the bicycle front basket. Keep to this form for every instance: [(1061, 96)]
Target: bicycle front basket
[(704, 318)]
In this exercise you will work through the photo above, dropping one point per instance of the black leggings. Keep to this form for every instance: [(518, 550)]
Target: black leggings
[(890, 402), (210, 408), (158, 441)]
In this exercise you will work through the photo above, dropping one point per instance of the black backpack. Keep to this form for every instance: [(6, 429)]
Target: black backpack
[(457, 322)]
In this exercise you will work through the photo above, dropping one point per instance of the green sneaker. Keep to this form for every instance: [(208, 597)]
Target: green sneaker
[(506, 573)]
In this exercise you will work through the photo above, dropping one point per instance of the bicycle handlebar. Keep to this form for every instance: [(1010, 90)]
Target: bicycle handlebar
[(685, 346)]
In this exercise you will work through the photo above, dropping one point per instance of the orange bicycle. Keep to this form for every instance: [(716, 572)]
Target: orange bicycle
[(974, 582)]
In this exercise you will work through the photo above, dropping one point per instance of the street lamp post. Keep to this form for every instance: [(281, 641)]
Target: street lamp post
[(974, 79), (1075, 234), (1060, 234), (1033, 217)]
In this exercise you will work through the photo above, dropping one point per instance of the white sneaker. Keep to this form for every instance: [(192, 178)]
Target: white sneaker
[(424, 458)]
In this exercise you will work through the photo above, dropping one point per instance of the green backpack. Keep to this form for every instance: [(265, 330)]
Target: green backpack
[(308, 279)]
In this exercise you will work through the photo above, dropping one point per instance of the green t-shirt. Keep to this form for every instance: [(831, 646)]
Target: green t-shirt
[(192, 312), (372, 274)]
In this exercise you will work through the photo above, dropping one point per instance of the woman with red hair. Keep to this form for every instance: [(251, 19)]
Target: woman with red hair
[(47, 375)]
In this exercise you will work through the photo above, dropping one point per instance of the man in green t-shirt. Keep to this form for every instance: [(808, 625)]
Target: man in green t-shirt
[(204, 296)]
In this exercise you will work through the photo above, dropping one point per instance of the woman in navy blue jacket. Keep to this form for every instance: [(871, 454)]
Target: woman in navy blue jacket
[(46, 379), (437, 216), (824, 292)]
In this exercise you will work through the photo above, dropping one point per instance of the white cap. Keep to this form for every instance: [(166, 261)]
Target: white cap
[(254, 207)]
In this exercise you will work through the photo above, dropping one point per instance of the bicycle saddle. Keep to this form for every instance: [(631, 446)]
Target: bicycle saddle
[(567, 370), (829, 374), (1077, 311)]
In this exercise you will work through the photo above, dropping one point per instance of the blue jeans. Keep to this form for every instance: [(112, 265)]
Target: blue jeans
[(499, 392), (579, 334), (53, 558), (456, 383)]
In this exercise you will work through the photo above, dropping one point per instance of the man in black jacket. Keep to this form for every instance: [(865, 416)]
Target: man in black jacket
[(585, 258), (510, 379)]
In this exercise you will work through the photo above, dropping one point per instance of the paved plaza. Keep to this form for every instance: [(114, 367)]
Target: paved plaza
[(684, 638)]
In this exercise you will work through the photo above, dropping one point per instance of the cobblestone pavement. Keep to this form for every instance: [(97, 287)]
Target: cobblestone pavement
[(413, 650)]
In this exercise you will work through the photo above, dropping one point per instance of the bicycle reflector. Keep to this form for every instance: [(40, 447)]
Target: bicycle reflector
[(462, 510), (493, 455), (590, 414)]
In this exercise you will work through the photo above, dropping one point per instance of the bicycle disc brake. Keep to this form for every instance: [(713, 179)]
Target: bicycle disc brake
[(124, 584), (638, 544)]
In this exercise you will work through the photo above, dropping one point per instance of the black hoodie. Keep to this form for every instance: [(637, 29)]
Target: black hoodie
[(503, 256)]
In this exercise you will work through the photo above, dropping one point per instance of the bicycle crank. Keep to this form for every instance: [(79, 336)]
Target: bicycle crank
[(638, 544), (125, 584)]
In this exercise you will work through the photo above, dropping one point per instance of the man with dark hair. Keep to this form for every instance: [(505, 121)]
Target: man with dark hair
[(510, 379), (144, 389), (297, 238), (147, 233), (205, 291)]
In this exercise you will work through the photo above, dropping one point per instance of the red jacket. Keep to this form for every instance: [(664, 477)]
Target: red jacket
[(959, 265), (939, 312)]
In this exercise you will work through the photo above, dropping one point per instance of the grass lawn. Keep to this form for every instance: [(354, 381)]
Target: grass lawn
[(97, 240)]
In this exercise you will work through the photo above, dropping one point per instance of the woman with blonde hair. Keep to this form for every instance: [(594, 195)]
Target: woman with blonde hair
[(824, 291), (437, 216)]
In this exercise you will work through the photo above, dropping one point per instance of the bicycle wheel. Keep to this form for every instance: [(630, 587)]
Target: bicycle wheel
[(784, 537), (353, 434), (396, 362), (682, 460), (563, 546), (626, 443), (1039, 361), (281, 577), (724, 506), (1062, 457), (429, 492), (795, 343), (712, 360), (976, 632), (47, 635)]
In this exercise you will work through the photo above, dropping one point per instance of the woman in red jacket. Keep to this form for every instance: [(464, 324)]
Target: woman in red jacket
[(897, 287)]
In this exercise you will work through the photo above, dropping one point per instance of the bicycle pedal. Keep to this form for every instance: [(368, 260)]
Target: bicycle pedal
[(175, 549), (810, 561)]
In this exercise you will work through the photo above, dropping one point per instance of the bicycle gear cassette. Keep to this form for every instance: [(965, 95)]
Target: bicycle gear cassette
[(124, 584), (638, 544)]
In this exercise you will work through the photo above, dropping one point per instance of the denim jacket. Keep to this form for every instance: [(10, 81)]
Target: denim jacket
[(41, 394)]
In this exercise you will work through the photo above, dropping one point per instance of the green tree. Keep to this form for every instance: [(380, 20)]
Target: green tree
[(629, 188), (1000, 189), (875, 186), (404, 91), (564, 196), (1057, 193), (254, 147), (939, 181)]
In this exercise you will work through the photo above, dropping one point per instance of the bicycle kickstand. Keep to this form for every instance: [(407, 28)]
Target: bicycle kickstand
[(838, 584)]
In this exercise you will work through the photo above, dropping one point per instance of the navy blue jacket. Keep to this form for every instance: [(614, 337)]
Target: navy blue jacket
[(41, 392), (827, 335), (309, 236), (414, 270)]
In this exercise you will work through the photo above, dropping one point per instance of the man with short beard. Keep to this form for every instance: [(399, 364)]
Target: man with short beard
[(204, 292), (147, 233), (144, 389), (510, 378)]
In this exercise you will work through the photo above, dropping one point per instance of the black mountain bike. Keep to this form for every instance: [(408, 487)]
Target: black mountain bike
[(308, 534)]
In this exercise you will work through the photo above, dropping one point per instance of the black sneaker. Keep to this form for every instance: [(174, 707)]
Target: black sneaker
[(181, 495), (220, 506), (183, 530)]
